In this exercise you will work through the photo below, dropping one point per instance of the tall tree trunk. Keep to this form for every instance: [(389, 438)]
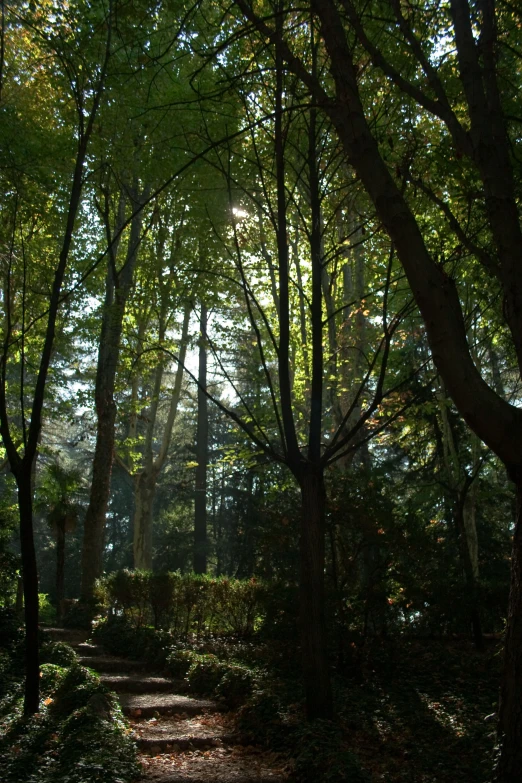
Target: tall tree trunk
[(200, 500), (510, 709), (19, 601), (469, 568), (94, 525), (461, 485), (21, 467), (30, 577), (313, 627), (310, 475), (60, 566), (146, 480), (144, 502), (117, 291)]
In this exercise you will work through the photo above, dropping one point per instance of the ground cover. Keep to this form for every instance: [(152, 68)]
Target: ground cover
[(408, 710), (79, 734)]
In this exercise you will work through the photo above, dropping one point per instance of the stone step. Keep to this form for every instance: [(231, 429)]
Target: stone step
[(86, 649), (72, 636), (221, 765), (138, 683), (176, 734), (151, 704), (155, 745), (108, 664)]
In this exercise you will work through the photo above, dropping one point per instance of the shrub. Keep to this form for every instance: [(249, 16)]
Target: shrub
[(259, 720), (199, 604), (116, 635), (163, 592), (59, 653), (46, 611), (11, 634), (236, 685), (80, 615), (205, 673), (128, 593), (321, 757), (280, 605), (179, 662), (79, 735), (75, 690), (51, 676)]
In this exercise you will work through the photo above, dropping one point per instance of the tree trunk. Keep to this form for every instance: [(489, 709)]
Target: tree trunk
[(200, 501), (510, 708), (313, 627), (19, 603), (30, 576), (470, 571), (60, 566), (117, 291), (145, 491), (94, 526), (145, 481)]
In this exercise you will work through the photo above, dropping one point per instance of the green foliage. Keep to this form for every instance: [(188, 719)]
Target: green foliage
[(11, 634), (46, 611), (75, 690), (189, 603), (119, 636), (260, 719), (203, 671), (57, 495), (321, 758), (9, 574), (80, 615), (58, 653), (179, 662), (78, 736), (205, 674), (128, 592), (51, 676), (236, 685)]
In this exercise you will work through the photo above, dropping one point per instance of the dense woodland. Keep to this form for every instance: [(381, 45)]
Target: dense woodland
[(262, 321)]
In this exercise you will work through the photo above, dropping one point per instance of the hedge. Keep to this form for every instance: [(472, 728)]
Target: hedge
[(186, 604)]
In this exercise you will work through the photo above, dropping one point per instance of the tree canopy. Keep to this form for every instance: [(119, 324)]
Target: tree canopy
[(260, 289)]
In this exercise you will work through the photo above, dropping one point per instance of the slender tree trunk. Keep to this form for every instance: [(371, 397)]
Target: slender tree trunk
[(309, 473), (22, 467), (461, 486), (30, 576), (510, 709), (19, 603), (313, 627), (470, 573), (200, 501), (94, 526), (146, 480), (117, 291), (60, 566), (145, 492)]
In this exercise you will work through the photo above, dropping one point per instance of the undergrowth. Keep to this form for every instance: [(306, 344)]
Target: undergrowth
[(79, 734)]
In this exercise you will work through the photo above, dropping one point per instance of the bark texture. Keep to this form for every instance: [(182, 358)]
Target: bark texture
[(145, 489), (313, 628), (60, 565), (30, 578), (146, 479), (200, 499), (510, 708), (117, 289)]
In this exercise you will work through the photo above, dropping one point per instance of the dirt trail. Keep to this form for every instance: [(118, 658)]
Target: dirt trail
[(180, 739)]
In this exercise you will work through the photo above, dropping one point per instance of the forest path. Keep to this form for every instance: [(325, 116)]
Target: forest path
[(180, 739)]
